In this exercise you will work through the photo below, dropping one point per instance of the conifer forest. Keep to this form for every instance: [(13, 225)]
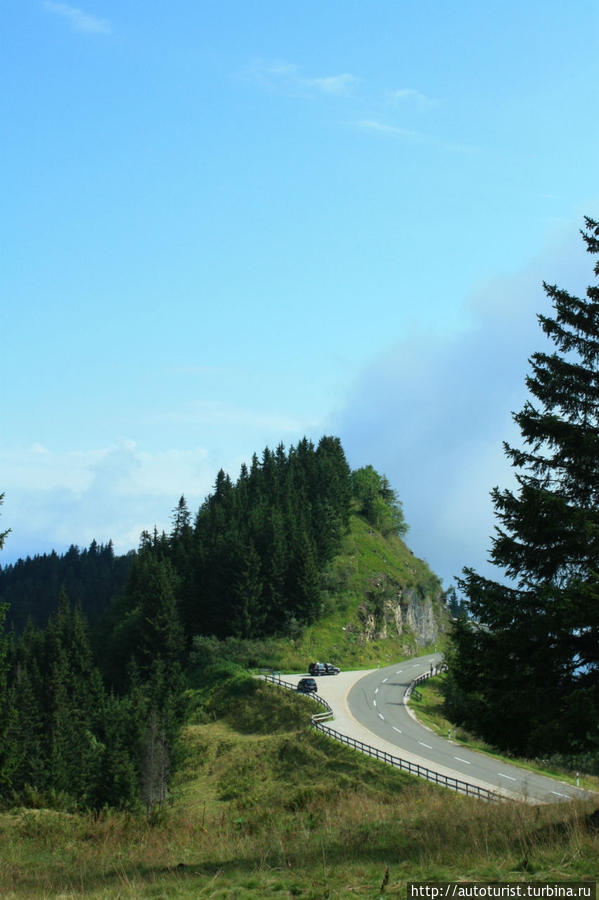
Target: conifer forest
[(95, 649)]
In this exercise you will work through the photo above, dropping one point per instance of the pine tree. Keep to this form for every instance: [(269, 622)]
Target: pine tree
[(303, 582), (72, 703), (8, 755), (3, 533), (8, 748), (248, 609), (117, 778), (277, 562), (526, 675), (158, 632)]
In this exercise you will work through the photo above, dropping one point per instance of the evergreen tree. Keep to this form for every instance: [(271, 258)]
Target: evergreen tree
[(121, 728), (379, 504), (277, 563), (303, 582), (73, 696), (525, 672), (248, 607), (90, 577), (158, 632), (8, 748), (3, 533)]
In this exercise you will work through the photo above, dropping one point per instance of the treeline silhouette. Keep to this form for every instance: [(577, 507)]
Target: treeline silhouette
[(90, 577)]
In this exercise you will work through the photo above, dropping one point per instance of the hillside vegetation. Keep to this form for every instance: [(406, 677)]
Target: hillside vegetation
[(266, 807), (299, 557), (361, 592)]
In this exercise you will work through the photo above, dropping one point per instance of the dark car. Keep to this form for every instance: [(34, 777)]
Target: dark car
[(318, 668), (306, 686), (330, 669)]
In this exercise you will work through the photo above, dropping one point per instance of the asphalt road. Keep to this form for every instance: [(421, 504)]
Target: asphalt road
[(369, 706)]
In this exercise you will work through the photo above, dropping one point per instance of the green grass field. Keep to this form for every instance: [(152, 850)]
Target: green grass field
[(266, 807)]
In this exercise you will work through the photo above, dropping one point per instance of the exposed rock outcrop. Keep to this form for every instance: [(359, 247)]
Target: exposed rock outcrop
[(417, 614)]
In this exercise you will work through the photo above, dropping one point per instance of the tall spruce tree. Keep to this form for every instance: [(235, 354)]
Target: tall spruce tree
[(3, 533), (524, 671), (7, 705)]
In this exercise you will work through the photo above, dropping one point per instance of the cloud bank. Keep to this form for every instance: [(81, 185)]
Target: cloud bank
[(59, 498), (433, 410)]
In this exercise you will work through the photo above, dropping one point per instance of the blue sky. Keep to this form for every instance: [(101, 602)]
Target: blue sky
[(232, 224)]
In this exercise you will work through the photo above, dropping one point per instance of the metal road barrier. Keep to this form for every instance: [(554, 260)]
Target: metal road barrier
[(436, 670), (319, 717), (318, 720)]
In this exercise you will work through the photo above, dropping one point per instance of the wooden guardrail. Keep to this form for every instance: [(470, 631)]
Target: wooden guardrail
[(318, 721)]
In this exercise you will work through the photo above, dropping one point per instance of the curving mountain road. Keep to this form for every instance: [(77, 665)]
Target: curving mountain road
[(369, 706), (377, 702)]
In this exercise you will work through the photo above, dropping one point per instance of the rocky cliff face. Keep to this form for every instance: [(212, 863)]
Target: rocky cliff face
[(419, 615)]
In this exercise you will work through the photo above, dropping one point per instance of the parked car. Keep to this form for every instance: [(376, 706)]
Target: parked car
[(318, 668), (306, 686)]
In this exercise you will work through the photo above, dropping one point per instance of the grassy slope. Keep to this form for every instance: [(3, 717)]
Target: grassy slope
[(365, 556), (266, 807)]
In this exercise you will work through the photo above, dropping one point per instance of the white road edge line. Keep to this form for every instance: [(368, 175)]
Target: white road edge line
[(557, 794)]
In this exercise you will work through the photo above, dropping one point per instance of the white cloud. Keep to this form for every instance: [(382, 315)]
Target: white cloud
[(375, 126), (409, 95), (79, 20), (383, 128), (334, 84), (60, 497), (287, 78)]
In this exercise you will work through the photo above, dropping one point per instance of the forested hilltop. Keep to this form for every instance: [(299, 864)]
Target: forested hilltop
[(298, 554)]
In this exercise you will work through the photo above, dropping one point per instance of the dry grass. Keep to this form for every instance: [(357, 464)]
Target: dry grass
[(290, 814)]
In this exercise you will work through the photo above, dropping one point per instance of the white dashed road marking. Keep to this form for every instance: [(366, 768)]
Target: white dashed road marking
[(459, 759), (428, 746), (501, 775)]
